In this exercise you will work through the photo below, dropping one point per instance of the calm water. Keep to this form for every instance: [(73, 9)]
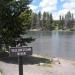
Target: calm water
[(54, 44)]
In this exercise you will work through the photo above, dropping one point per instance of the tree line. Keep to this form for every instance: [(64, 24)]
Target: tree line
[(45, 21)]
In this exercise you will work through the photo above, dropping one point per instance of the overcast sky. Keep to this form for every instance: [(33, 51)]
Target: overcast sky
[(56, 7)]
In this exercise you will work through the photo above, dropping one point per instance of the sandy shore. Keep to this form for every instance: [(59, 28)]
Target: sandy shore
[(65, 67)]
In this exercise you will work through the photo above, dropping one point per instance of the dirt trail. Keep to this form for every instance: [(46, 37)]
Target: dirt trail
[(64, 68)]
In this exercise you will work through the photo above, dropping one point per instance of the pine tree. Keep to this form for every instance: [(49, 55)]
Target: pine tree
[(39, 20), (47, 21), (14, 21), (51, 22), (34, 21), (44, 18), (69, 21), (61, 22)]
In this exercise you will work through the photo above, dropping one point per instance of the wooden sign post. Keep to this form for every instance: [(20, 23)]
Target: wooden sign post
[(20, 61), (20, 52)]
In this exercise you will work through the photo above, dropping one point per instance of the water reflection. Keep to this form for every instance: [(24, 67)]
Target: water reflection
[(54, 44)]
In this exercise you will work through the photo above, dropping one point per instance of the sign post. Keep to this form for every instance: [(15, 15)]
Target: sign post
[(20, 52), (20, 61)]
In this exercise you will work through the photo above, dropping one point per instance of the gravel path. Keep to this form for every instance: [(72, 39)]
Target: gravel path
[(65, 68)]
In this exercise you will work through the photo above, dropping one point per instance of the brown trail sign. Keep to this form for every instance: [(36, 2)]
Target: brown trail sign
[(20, 52)]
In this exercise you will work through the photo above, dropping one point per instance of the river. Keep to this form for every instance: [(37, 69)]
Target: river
[(53, 44)]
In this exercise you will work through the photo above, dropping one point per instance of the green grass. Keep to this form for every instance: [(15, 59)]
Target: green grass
[(46, 63), (1, 71)]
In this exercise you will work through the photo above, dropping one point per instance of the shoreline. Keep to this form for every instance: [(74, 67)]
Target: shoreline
[(64, 68), (67, 30), (56, 59)]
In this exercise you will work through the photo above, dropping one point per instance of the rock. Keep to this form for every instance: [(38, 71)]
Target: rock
[(41, 64), (56, 60), (51, 59)]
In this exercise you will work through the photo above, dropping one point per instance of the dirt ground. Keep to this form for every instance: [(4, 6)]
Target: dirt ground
[(64, 68)]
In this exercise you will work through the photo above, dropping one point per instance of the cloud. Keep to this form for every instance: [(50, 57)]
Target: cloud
[(48, 9), (55, 15), (68, 5), (72, 0), (67, 0), (45, 3), (54, 7), (62, 0), (48, 5), (62, 13), (33, 7)]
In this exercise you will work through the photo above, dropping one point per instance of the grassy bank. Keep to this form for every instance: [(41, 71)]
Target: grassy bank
[(1, 71)]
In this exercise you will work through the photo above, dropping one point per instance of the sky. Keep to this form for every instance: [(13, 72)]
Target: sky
[(56, 7)]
